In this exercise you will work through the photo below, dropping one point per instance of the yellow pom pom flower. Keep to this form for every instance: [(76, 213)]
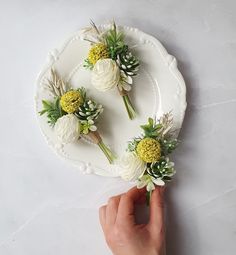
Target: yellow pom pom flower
[(98, 51), (71, 101), (149, 150)]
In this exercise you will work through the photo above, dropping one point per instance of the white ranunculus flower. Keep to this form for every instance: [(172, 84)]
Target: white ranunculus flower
[(132, 167), (67, 128), (105, 74)]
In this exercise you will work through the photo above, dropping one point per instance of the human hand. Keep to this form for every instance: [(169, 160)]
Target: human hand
[(123, 235)]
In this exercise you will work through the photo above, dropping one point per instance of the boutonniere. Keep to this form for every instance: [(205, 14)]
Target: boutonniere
[(72, 114), (112, 62), (147, 158)]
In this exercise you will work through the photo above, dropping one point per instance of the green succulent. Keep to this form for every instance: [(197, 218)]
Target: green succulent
[(162, 169), (90, 110), (127, 62)]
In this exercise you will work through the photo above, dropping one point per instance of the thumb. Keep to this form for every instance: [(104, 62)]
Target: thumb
[(126, 207), (156, 220)]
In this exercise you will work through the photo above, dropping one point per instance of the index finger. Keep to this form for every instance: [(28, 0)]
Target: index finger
[(126, 206)]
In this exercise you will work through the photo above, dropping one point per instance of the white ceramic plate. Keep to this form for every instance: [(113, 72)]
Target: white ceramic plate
[(159, 88)]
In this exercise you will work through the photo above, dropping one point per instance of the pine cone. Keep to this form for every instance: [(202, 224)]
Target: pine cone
[(127, 62)]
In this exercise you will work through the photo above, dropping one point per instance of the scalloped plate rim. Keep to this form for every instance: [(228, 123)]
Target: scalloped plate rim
[(60, 49)]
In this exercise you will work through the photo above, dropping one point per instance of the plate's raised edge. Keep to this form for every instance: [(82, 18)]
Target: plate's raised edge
[(54, 54)]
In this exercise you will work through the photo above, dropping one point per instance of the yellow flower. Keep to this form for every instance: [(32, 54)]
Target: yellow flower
[(98, 51), (71, 101), (149, 150)]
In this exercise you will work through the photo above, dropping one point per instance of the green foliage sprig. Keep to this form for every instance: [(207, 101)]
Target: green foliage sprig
[(151, 128), (114, 41), (53, 110)]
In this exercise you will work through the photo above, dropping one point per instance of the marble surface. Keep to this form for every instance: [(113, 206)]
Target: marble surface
[(48, 207)]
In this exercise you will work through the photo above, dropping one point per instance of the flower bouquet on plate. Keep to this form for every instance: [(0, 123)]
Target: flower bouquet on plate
[(146, 160), (72, 114), (112, 62)]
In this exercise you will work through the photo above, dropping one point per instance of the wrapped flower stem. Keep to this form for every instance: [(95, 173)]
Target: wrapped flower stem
[(128, 105), (107, 152), (96, 138), (148, 197)]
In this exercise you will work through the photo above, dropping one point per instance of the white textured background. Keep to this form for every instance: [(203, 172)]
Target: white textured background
[(48, 207)]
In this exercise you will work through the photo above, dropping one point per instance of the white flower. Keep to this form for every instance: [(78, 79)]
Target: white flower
[(67, 128), (132, 167), (87, 125), (105, 74), (149, 181)]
